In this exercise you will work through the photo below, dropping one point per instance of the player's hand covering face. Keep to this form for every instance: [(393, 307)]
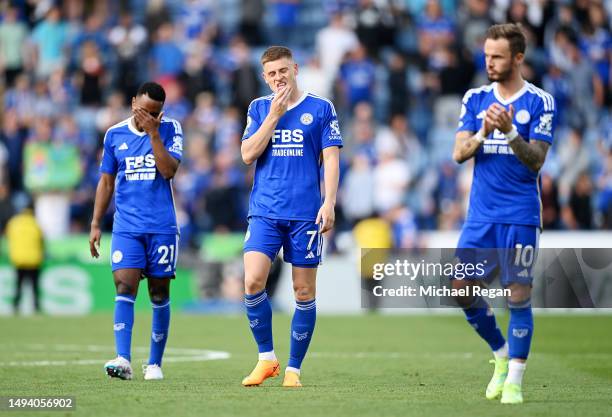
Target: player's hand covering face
[(280, 103), (147, 113)]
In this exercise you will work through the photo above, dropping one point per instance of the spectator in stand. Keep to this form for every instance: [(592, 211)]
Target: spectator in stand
[(128, 38), (167, 58), (577, 214), (13, 34), (333, 42), (50, 38), (357, 78)]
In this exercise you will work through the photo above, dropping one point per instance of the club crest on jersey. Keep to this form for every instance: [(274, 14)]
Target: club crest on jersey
[(523, 116), (306, 119)]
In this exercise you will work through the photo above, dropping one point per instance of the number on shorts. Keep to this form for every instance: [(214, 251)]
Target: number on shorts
[(524, 255), (313, 234), (165, 251)]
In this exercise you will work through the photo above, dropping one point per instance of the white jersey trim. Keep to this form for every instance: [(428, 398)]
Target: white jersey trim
[(299, 101), (333, 109), (133, 129), (547, 98), (514, 96)]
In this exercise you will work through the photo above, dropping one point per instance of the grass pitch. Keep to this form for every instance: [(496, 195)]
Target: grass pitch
[(357, 366)]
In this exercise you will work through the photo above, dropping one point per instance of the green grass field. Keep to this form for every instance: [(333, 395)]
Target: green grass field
[(357, 366)]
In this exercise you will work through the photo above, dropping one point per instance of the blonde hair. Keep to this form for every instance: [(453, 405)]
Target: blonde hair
[(274, 53)]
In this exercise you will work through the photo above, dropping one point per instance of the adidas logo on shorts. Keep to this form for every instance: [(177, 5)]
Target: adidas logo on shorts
[(310, 255)]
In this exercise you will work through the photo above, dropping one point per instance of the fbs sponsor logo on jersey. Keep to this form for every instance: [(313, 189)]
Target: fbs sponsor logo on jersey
[(140, 168), (545, 125), (286, 142)]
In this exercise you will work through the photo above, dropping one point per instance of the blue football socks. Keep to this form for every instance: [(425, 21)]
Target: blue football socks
[(482, 319), (259, 313), (302, 326), (124, 321), (159, 331)]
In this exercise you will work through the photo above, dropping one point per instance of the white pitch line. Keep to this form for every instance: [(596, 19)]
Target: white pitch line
[(191, 355), (389, 355)]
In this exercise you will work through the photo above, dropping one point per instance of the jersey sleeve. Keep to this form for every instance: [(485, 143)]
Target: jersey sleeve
[(108, 165), (467, 116), (544, 119), (330, 135), (173, 141), (253, 120)]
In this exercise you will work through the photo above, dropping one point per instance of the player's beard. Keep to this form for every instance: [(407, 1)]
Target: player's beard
[(501, 76)]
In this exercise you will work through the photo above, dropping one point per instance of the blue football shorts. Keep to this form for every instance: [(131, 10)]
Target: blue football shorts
[(154, 253), (300, 240), (509, 249)]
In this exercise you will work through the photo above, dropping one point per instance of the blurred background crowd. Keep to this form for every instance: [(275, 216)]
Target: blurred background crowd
[(395, 69)]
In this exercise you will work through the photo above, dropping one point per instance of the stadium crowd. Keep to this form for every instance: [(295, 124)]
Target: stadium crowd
[(395, 69)]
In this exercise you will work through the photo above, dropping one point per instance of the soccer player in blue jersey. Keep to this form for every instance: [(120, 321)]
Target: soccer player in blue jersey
[(141, 156), (289, 134), (507, 127)]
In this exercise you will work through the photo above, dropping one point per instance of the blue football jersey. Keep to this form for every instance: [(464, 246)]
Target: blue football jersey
[(143, 198), (503, 189), (287, 173)]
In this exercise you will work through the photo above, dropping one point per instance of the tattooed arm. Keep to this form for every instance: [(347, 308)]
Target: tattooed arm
[(531, 154)]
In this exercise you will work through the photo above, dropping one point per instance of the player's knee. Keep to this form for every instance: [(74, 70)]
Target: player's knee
[(158, 294), (519, 293), (463, 301), (303, 292), (253, 285), (126, 288)]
